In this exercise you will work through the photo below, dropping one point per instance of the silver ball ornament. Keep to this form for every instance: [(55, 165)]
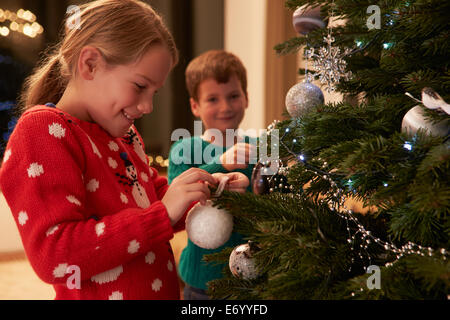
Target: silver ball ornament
[(242, 264), (306, 19), (303, 97), (208, 227), (415, 119)]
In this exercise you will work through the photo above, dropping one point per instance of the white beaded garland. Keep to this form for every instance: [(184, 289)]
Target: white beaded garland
[(337, 204)]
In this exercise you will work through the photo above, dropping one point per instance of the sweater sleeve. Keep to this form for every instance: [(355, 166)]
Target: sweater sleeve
[(161, 187), (42, 181)]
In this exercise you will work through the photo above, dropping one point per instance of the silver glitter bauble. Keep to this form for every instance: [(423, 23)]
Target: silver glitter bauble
[(415, 119), (302, 97), (306, 19), (208, 227), (242, 264)]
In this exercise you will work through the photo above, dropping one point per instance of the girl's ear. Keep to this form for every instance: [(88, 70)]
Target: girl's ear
[(246, 100), (194, 107), (89, 61)]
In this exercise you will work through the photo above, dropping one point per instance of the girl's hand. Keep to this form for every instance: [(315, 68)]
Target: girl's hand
[(188, 187), (237, 182)]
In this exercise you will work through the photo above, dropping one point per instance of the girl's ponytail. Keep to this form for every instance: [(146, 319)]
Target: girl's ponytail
[(46, 84)]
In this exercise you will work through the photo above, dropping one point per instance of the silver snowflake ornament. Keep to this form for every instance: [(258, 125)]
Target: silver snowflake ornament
[(329, 64)]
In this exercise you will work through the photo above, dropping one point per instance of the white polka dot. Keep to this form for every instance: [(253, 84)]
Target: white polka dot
[(170, 265), (23, 217), (113, 146), (144, 176), (133, 247), (56, 130), (100, 228), (73, 200), (107, 276), (156, 285), (150, 257), (116, 295), (151, 172), (96, 248), (94, 148), (35, 170), (112, 163), (51, 230), (123, 198), (60, 270), (92, 185), (7, 155)]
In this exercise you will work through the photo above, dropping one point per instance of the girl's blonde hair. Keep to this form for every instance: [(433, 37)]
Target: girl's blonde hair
[(122, 30)]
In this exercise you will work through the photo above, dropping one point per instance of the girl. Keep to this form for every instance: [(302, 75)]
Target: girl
[(94, 218)]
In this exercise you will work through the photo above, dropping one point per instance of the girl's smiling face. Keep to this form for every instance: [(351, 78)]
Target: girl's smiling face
[(118, 95)]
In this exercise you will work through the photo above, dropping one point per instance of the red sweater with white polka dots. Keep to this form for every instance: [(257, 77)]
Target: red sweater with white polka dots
[(88, 209)]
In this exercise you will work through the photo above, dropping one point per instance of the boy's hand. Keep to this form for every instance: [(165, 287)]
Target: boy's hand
[(188, 187), (238, 156), (237, 182)]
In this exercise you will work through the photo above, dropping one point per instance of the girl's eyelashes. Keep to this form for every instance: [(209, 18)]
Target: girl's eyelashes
[(140, 87)]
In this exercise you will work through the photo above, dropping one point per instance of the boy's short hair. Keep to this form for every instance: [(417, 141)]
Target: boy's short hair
[(217, 64)]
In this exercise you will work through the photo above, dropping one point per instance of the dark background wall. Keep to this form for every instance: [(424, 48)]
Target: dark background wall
[(197, 25)]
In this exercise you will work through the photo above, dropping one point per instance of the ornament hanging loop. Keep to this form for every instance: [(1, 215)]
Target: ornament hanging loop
[(221, 187)]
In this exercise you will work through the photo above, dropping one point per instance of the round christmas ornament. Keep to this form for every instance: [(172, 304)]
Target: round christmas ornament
[(260, 175), (242, 264), (415, 119), (306, 19), (207, 226), (302, 98)]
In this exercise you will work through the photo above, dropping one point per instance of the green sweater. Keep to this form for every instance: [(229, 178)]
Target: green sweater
[(192, 269)]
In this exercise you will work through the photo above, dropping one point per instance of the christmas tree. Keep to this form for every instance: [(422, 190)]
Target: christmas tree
[(379, 146)]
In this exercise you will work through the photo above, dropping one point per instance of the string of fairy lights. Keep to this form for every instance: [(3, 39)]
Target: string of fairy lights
[(22, 21), (338, 204)]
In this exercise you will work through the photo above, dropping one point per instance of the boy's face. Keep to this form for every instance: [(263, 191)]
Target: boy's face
[(220, 105)]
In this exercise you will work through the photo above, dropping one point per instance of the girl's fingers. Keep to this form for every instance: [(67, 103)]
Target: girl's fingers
[(239, 190), (198, 196), (218, 176), (237, 179), (198, 186), (195, 175)]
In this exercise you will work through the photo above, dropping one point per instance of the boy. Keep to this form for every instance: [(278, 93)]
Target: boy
[(217, 85)]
